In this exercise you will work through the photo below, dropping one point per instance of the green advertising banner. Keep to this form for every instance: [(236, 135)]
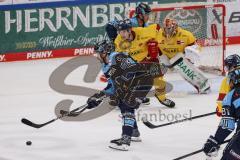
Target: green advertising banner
[(55, 28), (191, 20)]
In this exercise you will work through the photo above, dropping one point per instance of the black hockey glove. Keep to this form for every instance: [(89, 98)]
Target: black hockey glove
[(95, 100), (211, 147)]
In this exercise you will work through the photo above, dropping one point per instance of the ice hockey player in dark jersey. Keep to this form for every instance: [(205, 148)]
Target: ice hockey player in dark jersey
[(230, 118), (128, 83)]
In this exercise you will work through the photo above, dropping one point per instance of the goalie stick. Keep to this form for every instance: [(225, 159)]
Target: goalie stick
[(196, 152), (175, 63), (152, 126), (165, 67), (65, 114)]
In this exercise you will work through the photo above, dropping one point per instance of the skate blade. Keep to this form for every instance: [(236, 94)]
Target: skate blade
[(119, 148), (136, 139), (147, 103)]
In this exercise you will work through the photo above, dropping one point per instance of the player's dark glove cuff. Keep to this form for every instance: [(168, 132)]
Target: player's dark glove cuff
[(99, 95), (92, 103), (211, 146)]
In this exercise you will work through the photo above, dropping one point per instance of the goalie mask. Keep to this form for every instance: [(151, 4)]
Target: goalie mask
[(170, 28)]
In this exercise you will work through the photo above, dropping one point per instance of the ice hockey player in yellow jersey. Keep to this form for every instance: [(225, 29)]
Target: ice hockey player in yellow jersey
[(140, 44), (175, 39), (134, 40), (174, 43), (231, 63)]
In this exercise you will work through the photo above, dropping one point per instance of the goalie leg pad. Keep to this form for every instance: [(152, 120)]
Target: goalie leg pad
[(192, 74), (192, 53), (164, 59)]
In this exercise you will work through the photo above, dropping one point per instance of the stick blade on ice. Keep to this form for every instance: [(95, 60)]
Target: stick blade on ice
[(147, 123), (29, 123)]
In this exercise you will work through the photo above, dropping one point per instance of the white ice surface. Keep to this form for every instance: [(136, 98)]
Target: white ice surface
[(25, 92)]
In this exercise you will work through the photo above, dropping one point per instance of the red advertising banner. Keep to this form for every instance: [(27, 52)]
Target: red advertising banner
[(46, 54)]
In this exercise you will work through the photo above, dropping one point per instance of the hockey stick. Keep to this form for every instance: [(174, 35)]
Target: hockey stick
[(72, 113), (164, 67), (196, 152), (175, 63), (34, 125), (152, 126)]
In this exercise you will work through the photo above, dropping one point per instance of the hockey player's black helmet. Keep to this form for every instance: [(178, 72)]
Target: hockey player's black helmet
[(143, 8), (234, 77), (231, 62), (104, 47), (123, 25)]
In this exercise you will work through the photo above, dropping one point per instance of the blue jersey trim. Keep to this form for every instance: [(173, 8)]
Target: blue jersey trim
[(135, 23), (236, 103), (109, 90), (227, 123), (227, 101)]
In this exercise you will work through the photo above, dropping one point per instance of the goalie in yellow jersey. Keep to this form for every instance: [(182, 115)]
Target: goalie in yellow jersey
[(139, 43), (174, 43)]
